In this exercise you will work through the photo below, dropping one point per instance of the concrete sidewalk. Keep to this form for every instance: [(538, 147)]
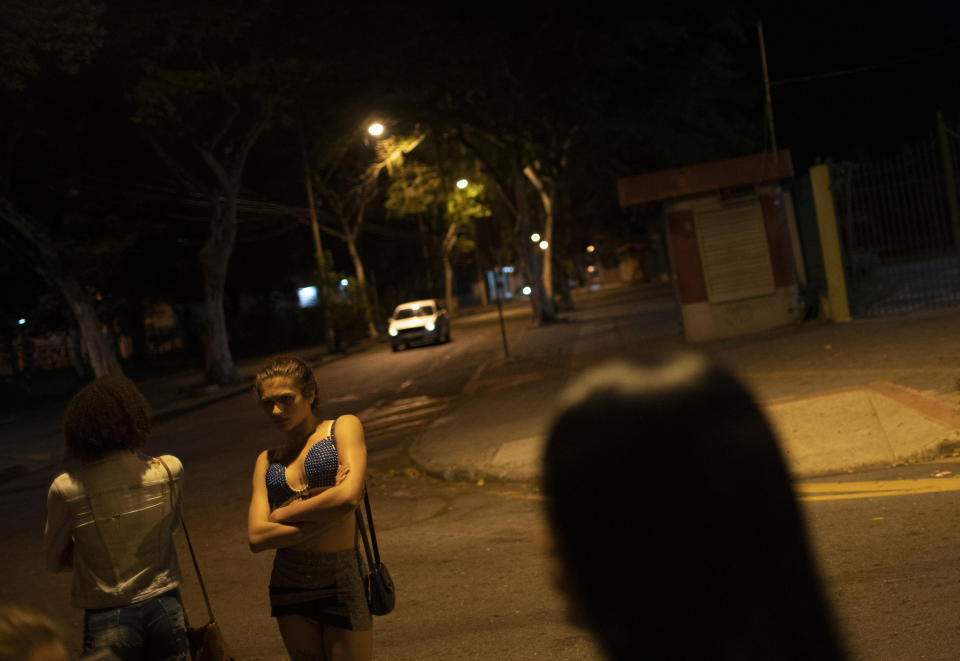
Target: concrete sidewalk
[(866, 394)]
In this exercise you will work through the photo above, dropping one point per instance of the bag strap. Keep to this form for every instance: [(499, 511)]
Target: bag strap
[(372, 559), (186, 534)]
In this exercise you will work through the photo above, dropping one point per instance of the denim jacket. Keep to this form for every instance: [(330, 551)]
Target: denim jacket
[(122, 551)]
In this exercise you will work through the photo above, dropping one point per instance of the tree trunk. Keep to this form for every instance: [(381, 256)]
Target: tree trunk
[(41, 253), (530, 262), (546, 198), (427, 266), (215, 257), (361, 283), (448, 242), (102, 357), (481, 281)]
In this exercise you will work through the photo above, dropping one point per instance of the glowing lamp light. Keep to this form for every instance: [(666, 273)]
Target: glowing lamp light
[(307, 296), (21, 321), (526, 290), (591, 248), (429, 327), (534, 237), (344, 282), (375, 129), (462, 183), (393, 332), (590, 269), (544, 245)]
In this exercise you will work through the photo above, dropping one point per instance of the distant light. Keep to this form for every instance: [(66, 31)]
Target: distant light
[(590, 269), (307, 296), (344, 282), (544, 245), (507, 269), (526, 290), (534, 237), (462, 183), (375, 129), (21, 321), (415, 306), (591, 248)]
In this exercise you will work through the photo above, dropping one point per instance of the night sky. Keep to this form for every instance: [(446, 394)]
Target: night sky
[(910, 59)]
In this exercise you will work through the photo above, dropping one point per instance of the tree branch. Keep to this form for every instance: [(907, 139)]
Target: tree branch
[(501, 187)]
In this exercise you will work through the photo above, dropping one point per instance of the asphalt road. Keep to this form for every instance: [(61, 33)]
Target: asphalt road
[(471, 581)]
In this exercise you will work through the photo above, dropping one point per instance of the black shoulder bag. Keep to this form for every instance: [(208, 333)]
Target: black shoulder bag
[(381, 595)]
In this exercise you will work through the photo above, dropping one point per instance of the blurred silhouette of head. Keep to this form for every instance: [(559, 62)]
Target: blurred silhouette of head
[(108, 414), (674, 519), (26, 635)]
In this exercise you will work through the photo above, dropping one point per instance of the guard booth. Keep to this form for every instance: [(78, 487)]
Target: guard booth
[(729, 241)]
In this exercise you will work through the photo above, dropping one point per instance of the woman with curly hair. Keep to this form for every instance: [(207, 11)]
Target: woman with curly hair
[(305, 492), (111, 520)]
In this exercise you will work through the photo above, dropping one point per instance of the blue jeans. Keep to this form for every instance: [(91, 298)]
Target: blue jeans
[(152, 629)]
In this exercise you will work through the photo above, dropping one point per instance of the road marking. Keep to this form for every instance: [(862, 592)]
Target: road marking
[(383, 422), (823, 491), (817, 491)]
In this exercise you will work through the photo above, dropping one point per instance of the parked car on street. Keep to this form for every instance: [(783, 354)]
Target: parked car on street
[(415, 322)]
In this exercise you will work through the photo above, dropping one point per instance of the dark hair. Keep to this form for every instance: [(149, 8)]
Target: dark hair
[(675, 519), (22, 630), (293, 367), (108, 414)]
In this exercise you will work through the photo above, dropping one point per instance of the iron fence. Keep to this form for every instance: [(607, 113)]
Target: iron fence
[(899, 233)]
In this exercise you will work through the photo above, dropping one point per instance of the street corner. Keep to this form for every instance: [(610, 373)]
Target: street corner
[(875, 425)]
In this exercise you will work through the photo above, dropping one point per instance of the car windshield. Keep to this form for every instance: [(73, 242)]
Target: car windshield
[(407, 313)]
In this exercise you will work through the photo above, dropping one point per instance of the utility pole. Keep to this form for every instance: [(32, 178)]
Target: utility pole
[(949, 179), (766, 86), (329, 333)]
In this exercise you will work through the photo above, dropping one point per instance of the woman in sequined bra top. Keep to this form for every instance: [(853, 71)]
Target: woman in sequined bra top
[(304, 495)]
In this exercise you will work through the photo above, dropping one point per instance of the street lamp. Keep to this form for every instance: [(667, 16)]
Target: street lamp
[(534, 237), (462, 183), (375, 129), (591, 248), (544, 245)]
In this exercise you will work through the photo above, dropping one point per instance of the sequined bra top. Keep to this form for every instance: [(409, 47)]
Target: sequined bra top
[(320, 466)]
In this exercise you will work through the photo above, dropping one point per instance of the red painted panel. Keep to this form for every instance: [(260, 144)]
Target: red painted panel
[(686, 257), (778, 240)]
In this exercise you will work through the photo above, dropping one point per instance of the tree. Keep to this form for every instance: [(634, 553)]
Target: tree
[(31, 32), (205, 99), (418, 189), (348, 181), (534, 90)]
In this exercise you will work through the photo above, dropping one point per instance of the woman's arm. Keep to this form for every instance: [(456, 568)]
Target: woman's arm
[(263, 534), (340, 500), (58, 532)]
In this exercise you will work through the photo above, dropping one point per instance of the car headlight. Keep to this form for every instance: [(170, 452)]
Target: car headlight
[(429, 327), (392, 331)]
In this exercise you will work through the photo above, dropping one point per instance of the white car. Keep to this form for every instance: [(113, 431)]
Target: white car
[(418, 322)]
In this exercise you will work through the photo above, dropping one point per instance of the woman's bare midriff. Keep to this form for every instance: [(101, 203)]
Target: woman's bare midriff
[(339, 534)]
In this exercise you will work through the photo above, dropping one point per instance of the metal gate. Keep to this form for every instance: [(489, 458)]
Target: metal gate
[(899, 227)]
